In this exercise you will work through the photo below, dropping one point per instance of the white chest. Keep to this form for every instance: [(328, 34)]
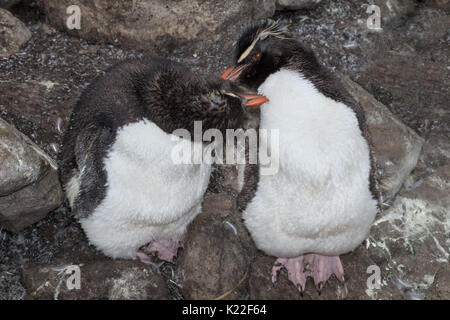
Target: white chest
[(143, 179)]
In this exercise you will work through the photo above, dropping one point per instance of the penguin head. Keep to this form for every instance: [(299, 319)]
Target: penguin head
[(237, 94), (262, 50), (227, 104)]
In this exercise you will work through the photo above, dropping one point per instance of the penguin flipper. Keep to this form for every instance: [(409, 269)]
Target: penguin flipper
[(250, 183), (251, 178), (91, 147), (373, 178)]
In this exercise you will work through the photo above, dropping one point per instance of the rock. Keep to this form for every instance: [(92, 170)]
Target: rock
[(29, 185), (13, 34), (10, 286), (436, 152), (100, 279), (36, 109), (295, 4), (439, 3), (413, 234), (428, 29), (214, 262), (153, 24), (21, 164), (6, 4), (406, 70), (396, 146), (411, 237)]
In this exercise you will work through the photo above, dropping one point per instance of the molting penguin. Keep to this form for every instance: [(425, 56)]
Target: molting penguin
[(116, 158), (322, 201)]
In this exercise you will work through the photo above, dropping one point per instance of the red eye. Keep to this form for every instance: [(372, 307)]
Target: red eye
[(256, 57)]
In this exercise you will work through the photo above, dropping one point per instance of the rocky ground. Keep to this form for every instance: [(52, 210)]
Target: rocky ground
[(400, 76)]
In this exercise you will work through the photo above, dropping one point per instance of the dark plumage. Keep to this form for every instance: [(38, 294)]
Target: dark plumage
[(141, 92)]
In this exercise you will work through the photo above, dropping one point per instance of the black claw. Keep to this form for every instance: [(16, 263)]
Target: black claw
[(300, 289), (319, 288)]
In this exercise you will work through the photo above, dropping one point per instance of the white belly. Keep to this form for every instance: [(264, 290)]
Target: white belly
[(319, 201), (148, 196)]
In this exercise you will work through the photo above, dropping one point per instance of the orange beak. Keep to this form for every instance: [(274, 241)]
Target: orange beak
[(254, 100), (233, 73)]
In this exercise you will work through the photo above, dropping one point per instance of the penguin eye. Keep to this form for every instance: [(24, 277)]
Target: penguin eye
[(256, 57)]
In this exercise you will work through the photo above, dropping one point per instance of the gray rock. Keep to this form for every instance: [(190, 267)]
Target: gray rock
[(295, 4), (214, 262), (35, 110), (10, 286), (6, 4), (13, 34), (21, 165), (396, 146), (436, 152), (99, 279), (413, 236), (439, 3), (152, 24), (407, 70), (29, 185), (409, 240)]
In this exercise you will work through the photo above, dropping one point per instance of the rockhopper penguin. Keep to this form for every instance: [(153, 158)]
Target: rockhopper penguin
[(115, 160), (322, 201)]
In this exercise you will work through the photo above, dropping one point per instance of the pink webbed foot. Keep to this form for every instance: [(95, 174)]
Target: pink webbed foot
[(165, 250), (295, 268), (321, 268)]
